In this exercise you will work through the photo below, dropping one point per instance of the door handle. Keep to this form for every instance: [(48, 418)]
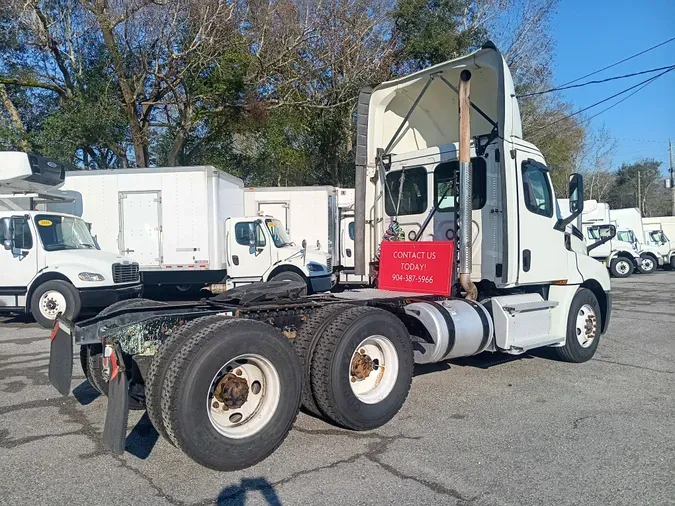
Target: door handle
[(349, 252), (128, 251), (235, 259), (527, 259)]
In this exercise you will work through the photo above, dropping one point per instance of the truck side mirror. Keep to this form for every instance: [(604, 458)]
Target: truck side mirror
[(576, 192), (606, 233)]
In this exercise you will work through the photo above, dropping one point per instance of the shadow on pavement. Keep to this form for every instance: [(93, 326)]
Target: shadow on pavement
[(235, 495), (142, 439), (85, 394)]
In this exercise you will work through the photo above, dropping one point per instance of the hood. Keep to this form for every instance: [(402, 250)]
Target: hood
[(89, 260)]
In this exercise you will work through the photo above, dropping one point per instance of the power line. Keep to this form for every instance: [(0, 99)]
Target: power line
[(624, 76), (619, 62), (639, 85)]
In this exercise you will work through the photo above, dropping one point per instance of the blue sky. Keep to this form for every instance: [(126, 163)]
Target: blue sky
[(591, 34)]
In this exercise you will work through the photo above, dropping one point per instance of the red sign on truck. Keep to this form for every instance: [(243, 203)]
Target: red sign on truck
[(417, 267)]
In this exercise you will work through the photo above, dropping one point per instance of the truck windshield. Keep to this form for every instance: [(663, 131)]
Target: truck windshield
[(593, 233), (658, 237), (278, 233), (625, 236), (63, 232)]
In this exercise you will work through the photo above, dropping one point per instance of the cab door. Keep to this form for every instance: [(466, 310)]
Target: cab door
[(18, 260), (543, 255), (347, 232), (249, 252)]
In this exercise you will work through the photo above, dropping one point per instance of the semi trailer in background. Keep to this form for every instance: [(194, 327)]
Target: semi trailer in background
[(49, 262), (499, 270), (187, 227)]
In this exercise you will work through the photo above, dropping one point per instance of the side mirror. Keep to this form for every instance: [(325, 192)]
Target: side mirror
[(576, 192), (606, 233)]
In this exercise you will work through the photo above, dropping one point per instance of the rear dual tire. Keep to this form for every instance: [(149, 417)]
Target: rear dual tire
[(191, 413)]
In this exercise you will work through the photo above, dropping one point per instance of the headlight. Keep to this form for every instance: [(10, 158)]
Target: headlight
[(90, 276), (315, 268)]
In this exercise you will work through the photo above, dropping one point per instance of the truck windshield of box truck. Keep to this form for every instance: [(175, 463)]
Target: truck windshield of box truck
[(278, 233), (60, 233)]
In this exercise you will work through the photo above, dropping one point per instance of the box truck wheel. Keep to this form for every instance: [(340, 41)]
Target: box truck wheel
[(647, 264), (54, 297), (160, 363), (305, 343), (621, 267), (362, 368), (291, 276), (91, 356), (231, 394), (583, 328)]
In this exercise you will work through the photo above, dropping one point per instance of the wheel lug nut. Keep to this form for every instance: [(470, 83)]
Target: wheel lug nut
[(216, 405), (238, 372), (353, 379), (362, 351)]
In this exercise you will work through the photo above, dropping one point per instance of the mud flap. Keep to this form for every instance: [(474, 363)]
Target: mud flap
[(61, 357), (115, 428)]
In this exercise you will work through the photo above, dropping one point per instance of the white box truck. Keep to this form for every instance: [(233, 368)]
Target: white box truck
[(232, 375), (186, 226), (629, 226), (323, 216), (619, 255), (49, 262)]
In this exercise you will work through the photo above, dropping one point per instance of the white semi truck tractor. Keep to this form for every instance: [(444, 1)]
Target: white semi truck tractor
[(441, 163)]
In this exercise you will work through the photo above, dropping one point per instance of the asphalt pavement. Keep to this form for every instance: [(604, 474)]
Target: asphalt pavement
[(491, 430)]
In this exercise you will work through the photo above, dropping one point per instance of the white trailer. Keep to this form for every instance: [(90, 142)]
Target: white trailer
[(49, 262), (186, 226)]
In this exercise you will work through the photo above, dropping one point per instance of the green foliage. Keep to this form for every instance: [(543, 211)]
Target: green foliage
[(431, 32), (640, 184)]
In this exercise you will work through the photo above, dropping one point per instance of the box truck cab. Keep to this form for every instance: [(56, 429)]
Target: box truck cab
[(260, 249), (655, 236), (50, 263)]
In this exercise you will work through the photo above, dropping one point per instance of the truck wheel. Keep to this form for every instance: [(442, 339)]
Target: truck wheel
[(621, 267), (583, 328), (54, 297), (160, 363), (362, 368), (231, 394), (91, 355), (304, 345), (291, 276), (647, 264)]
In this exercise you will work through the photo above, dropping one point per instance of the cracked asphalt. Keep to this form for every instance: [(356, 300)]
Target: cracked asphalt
[(491, 430)]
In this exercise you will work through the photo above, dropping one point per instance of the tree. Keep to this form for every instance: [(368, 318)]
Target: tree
[(640, 184)]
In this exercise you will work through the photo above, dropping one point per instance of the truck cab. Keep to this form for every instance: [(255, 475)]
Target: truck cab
[(658, 239), (50, 262), (260, 249)]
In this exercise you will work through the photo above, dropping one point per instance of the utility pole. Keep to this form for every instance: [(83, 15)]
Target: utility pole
[(639, 194)]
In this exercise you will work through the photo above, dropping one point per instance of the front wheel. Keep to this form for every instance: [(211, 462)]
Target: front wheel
[(647, 264), (583, 328), (231, 394), (621, 267), (53, 298), (291, 276)]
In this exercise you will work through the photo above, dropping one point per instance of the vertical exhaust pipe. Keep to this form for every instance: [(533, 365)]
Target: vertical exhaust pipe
[(465, 187)]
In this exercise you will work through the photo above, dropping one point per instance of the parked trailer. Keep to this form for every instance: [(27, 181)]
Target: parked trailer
[(223, 379), (186, 226)]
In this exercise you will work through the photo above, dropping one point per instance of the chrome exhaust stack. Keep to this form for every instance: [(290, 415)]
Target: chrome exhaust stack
[(465, 187)]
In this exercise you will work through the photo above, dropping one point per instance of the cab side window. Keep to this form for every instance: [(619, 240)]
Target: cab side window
[(537, 189), (246, 232), (22, 237)]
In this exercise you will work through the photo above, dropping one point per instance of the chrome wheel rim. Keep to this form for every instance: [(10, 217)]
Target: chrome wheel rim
[(586, 327)]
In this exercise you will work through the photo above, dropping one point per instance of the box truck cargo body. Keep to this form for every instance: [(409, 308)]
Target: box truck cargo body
[(169, 220)]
